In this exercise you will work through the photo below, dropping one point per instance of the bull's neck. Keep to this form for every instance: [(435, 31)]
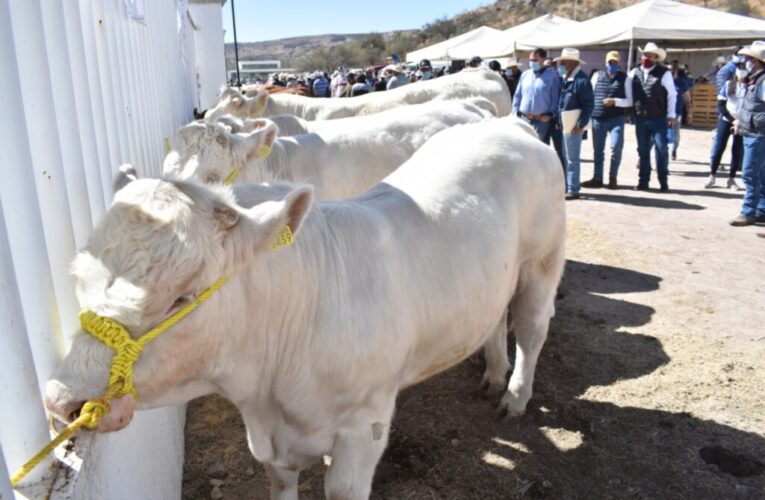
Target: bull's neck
[(291, 159)]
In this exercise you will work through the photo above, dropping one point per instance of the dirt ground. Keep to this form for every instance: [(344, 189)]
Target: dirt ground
[(655, 353)]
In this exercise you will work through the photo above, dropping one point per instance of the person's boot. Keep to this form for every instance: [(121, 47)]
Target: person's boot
[(612, 183), (742, 220), (593, 183), (674, 154)]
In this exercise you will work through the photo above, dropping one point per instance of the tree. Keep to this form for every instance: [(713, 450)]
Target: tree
[(604, 7), (739, 7)]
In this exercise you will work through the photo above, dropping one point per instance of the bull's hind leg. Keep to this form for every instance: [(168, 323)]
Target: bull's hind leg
[(531, 309), (495, 353)]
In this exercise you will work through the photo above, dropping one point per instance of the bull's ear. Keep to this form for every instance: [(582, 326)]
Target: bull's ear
[(124, 176), (258, 228), (261, 100), (257, 144)]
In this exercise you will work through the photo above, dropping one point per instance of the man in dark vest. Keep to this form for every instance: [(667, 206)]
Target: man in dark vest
[(608, 118), (751, 124), (651, 90)]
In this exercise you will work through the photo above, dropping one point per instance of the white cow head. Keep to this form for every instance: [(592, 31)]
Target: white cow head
[(207, 151), (233, 102), (159, 245)]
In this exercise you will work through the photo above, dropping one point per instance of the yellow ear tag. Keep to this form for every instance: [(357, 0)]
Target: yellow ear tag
[(230, 178), (264, 151), (284, 239), (168, 146)]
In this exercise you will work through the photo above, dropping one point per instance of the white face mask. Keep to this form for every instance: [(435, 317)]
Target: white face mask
[(741, 73)]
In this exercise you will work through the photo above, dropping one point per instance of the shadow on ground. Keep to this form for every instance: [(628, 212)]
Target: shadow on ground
[(643, 201), (447, 444)]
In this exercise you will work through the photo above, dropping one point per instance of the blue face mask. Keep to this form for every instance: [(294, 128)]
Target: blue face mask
[(562, 71), (535, 65), (613, 68)]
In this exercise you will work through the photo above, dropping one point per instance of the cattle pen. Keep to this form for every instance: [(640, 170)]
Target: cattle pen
[(85, 87)]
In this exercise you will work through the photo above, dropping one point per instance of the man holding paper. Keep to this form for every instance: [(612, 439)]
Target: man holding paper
[(576, 104)]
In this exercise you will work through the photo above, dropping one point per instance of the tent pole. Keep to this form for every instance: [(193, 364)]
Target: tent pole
[(629, 56)]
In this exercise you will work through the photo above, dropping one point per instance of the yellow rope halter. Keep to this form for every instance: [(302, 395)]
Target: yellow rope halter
[(127, 351)]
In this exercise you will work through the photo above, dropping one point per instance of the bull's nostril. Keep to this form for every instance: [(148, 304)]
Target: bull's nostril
[(75, 413)]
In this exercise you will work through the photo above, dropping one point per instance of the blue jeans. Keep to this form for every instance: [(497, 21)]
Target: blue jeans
[(573, 144), (542, 129), (719, 143), (601, 127), (556, 134), (753, 176), (652, 132)]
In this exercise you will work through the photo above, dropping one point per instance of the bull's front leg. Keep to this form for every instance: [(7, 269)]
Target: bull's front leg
[(355, 454), (284, 482)]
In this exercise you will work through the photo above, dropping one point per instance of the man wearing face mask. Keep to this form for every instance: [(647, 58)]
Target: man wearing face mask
[(608, 118), (651, 90), (750, 123), (537, 94), (576, 94)]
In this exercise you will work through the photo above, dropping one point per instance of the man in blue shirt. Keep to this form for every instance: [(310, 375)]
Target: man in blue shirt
[(723, 75), (576, 99), (320, 85), (536, 97)]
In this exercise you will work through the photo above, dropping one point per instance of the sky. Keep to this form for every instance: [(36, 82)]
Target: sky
[(269, 20)]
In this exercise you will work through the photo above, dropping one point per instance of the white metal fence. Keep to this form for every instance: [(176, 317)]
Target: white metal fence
[(84, 86)]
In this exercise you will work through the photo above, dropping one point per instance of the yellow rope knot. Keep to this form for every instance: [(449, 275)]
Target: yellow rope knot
[(92, 412)]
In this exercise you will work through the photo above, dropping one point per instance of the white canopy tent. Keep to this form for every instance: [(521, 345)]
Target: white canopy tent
[(510, 40), (440, 50), (665, 22)]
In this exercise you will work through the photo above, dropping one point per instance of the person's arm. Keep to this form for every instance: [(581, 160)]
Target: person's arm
[(627, 101), (586, 100), (518, 95), (669, 85)]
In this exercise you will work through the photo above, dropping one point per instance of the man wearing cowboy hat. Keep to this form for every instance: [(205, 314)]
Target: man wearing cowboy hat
[(651, 90), (607, 119), (751, 124), (576, 94), (395, 76)]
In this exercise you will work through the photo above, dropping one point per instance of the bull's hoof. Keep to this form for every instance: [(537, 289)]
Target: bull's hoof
[(511, 406)]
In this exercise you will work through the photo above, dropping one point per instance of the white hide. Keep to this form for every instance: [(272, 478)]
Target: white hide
[(314, 341), (479, 82), (340, 161)]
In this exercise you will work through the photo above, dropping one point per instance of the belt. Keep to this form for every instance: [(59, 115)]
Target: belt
[(534, 117)]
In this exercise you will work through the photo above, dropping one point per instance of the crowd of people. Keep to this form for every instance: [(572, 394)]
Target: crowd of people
[(560, 101)]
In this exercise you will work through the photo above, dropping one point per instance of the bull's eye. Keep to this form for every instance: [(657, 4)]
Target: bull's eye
[(180, 302), (212, 179)]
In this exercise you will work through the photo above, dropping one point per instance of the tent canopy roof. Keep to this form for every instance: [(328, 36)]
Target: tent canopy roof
[(506, 42), (653, 20), (439, 50)]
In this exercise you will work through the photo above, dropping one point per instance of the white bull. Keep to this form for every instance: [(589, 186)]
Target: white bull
[(468, 83), (314, 341), (340, 161)]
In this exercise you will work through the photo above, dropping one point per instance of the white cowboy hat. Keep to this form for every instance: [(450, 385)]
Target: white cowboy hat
[(756, 50), (569, 54), (652, 48), (393, 68), (511, 61)]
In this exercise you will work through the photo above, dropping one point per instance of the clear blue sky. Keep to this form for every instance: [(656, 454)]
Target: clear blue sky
[(273, 19)]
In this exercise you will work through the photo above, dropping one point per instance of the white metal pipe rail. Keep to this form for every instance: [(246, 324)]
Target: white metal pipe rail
[(83, 88)]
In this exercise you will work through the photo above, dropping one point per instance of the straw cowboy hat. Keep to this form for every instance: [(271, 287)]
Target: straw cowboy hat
[(756, 50), (652, 48), (613, 56), (569, 54)]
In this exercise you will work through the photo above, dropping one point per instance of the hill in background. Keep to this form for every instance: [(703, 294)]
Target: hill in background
[(329, 51)]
